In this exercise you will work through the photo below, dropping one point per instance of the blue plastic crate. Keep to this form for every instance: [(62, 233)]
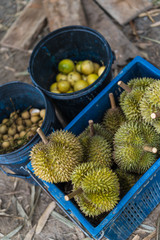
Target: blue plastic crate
[(141, 199)]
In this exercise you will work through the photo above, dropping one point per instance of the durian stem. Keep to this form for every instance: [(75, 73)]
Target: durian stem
[(150, 149), (124, 86), (73, 194), (91, 128), (155, 115), (42, 135), (112, 101)]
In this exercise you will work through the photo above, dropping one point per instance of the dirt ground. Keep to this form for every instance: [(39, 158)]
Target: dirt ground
[(14, 191)]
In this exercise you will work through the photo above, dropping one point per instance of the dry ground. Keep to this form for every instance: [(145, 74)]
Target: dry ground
[(14, 191)]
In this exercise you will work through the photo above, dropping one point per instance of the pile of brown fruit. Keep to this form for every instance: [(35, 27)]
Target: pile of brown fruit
[(19, 128), (74, 77)]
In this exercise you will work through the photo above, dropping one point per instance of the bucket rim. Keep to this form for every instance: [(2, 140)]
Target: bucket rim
[(57, 32), (32, 140)]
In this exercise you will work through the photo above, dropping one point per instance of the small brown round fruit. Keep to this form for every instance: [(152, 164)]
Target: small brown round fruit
[(3, 129), (25, 115)]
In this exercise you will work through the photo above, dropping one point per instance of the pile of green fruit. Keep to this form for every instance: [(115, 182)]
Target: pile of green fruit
[(75, 76), (107, 158), (19, 128)]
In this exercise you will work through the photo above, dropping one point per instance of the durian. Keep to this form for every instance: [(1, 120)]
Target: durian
[(150, 105), (135, 147), (126, 180), (96, 147), (55, 160), (131, 97), (113, 117), (100, 188)]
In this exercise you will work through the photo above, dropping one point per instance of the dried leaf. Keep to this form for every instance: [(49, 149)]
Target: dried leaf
[(38, 192), (148, 227), (137, 237), (158, 228), (156, 24), (11, 234), (23, 214), (43, 219), (62, 219), (0, 203), (151, 39), (33, 191), (24, 73), (30, 234), (150, 236)]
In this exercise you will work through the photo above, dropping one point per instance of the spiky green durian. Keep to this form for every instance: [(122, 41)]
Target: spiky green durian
[(150, 103), (98, 130), (130, 104), (80, 172), (140, 82), (88, 208), (134, 83), (85, 136), (99, 151), (55, 161), (126, 180), (130, 144), (113, 119), (100, 187)]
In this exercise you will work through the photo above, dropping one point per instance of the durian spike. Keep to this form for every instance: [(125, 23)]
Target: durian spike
[(124, 86), (155, 115), (42, 135), (150, 149), (91, 128), (112, 101), (73, 194)]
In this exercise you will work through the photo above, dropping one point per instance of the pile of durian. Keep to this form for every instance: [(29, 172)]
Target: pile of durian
[(107, 158)]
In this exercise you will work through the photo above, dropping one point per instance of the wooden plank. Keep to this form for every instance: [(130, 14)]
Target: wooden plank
[(124, 11), (25, 29), (62, 13), (122, 47)]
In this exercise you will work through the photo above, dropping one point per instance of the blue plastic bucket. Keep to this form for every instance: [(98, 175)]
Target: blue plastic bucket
[(19, 96), (76, 43)]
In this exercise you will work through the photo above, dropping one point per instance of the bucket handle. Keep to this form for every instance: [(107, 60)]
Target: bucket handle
[(13, 175)]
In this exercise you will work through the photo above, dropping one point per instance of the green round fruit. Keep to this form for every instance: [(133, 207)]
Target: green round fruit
[(87, 67), (101, 70), (73, 77), (92, 78), (61, 76), (96, 67), (66, 66), (53, 86), (63, 86), (79, 85), (79, 66)]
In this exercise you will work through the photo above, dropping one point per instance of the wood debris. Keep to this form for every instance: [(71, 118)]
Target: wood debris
[(63, 13), (124, 11), (28, 25), (43, 219), (123, 50)]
